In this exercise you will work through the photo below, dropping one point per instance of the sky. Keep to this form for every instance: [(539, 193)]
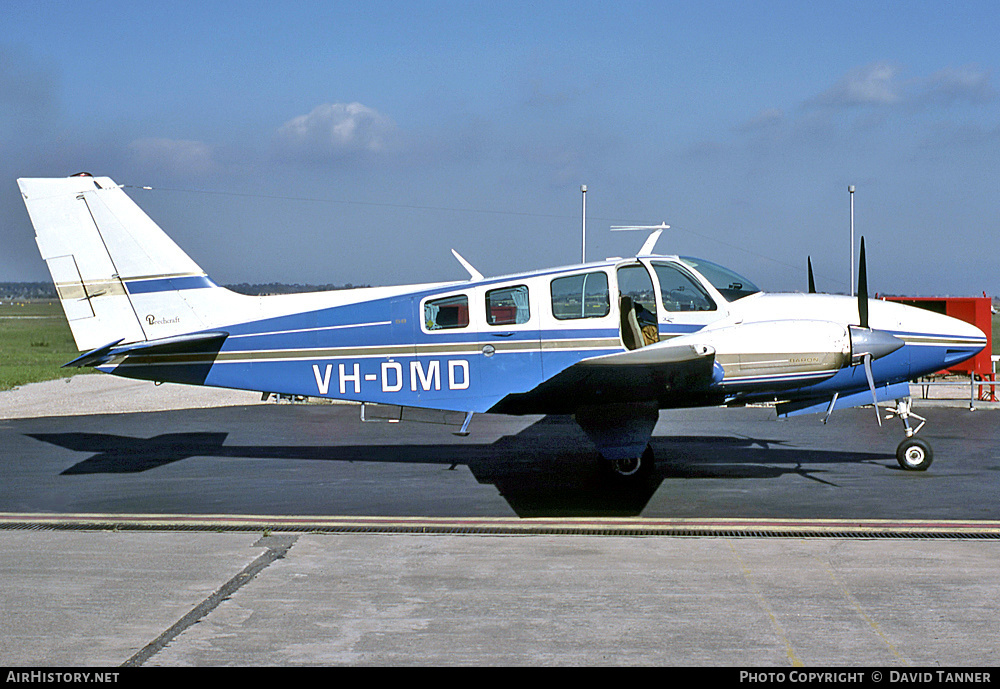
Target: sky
[(358, 142)]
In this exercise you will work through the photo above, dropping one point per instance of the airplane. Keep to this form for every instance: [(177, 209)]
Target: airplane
[(610, 342)]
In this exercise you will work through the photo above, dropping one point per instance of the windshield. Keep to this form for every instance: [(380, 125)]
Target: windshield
[(731, 285)]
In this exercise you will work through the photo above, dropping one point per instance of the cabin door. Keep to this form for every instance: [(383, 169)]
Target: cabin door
[(510, 340), (637, 307)]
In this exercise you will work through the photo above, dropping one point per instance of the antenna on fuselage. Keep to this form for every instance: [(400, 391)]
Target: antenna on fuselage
[(473, 273), (647, 247)]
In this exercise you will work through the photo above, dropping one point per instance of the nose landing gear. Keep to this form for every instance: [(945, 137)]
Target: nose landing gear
[(913, 454)]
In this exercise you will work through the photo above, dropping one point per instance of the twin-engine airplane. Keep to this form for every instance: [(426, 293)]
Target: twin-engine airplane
[(610, 342)]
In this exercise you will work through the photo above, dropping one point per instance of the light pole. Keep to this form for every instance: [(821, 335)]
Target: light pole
[(583, 190), (850, 190)]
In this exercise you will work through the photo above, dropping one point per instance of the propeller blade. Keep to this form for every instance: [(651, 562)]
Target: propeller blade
[(871, 385), (812, 282), (863, 288)]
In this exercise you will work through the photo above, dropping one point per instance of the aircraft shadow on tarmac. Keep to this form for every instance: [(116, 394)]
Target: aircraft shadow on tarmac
[(548, 469)]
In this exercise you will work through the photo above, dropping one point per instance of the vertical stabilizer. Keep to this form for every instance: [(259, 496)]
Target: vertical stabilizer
[(118, 275)]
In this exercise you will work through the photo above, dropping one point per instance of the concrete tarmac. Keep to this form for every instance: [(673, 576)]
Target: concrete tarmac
[(194, 595), (153, 599)]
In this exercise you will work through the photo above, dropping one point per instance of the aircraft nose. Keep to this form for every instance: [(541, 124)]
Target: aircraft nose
[(943, 341), (974, 331), (966, 333)]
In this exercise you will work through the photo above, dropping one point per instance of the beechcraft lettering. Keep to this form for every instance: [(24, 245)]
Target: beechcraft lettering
[(611, 343), (391, 376)]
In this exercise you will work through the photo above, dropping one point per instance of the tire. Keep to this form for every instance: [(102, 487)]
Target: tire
[(914, 454), (633, 469)]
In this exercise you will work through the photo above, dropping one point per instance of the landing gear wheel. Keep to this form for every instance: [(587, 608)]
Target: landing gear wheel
[(633, 468), (914, 454)]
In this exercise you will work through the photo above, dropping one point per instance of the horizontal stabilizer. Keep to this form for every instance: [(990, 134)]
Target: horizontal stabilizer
[(182, 344), (815, 405), (94, 357)]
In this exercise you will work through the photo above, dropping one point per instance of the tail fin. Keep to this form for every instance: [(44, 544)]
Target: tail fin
[(118, 275)]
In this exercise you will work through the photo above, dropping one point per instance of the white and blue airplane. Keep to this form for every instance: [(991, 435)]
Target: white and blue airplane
[(610, 342)]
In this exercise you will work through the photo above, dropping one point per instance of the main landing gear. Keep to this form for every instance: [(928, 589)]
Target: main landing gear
[(913, 454), (621, 433), (632, 468)]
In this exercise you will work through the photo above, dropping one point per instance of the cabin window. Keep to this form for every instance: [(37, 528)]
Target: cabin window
[(507, 306), (581, 296), (679, 291), (450, 312)]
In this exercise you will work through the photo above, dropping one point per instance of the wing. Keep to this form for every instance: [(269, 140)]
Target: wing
[(670, 374)]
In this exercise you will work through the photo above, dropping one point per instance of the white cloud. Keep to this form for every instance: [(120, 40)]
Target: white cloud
[(175, 156), (879, 84), (333, 130), (873, 84), (966, 83)]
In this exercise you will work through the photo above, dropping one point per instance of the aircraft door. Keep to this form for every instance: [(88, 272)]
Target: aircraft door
[(395, 365), (637, 307), (510, 340)]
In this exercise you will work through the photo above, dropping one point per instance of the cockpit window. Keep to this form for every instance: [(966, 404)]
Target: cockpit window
[(731, 285), (680, 291)]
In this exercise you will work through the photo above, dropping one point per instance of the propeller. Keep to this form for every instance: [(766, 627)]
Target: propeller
[(868, 344)]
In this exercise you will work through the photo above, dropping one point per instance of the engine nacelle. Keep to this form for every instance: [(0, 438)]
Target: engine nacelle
[(781, 351)]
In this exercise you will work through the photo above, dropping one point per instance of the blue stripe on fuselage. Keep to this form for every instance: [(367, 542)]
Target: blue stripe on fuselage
[(168, 284)]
